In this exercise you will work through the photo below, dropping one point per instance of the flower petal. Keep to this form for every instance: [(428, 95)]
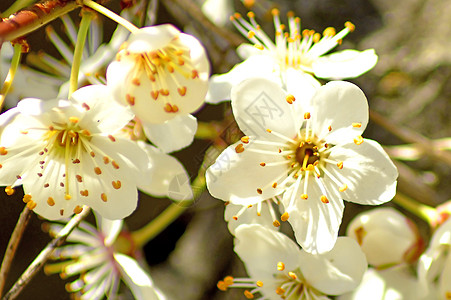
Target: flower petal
[(172, 135), (233, 176), (344, 64), (342, 268), (220, 86), (249, 216), (168, 177), (259, 104), (261, 249), (137, 279), (367, 170), (315, 224), (150, 38), (340, 105)]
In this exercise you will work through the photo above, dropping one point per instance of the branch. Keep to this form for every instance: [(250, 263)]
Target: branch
[(40, 260)]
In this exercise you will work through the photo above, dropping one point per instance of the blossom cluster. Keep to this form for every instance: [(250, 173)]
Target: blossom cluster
[(301, 156)]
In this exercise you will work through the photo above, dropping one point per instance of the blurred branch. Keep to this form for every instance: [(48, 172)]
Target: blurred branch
[(34, 17), (14, 241), (40, 260)]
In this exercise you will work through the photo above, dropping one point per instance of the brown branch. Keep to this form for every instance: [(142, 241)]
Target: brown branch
[(12, 246), (34, 17), (40, 260)]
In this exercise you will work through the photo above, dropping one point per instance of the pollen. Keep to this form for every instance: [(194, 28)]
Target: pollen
[(358, 140), (3, 151), (97, 170), (26, 198), (115, 165), (259, 283), (324, 199), (136, 81), (130, 99), (350, 26), (276, 223), (248, 294), (275, 12), (79, 178), (106, 160), (67, 197), (340, 165), (280, 266), (250, 34), (343, 188), (290, 99), (103, 197), (9, 190), (154, 94), (84, 193), (307, 115), (50, 201), (356, 125), (239, 148), (116, 184), (74, 120), (31, 204), (285, 217), (304, 196), (292, 275), (182, 91), (222, 285), (329, 31), (262, 164), (280, 291), (78, 209), (245, 139)]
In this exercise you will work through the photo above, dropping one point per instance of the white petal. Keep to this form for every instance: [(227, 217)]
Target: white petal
[(151, 38), (137, 279), (168, 177), (445, 279), (315, 224), (233, 176), (339, 104), (108, 116), (249, 216), (172, 135), (368, 172), (338, 271), (261, 249), (218, 11), (259, 104), (344, 64), (302, 86), (246, 51), (109, 228), (220, 86)]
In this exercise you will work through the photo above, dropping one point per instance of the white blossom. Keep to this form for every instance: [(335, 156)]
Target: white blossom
[(387, 237), (93, 254), (313, 154), (279, 269), (66, 155), (434, 266), (292, 58), (160, 73)]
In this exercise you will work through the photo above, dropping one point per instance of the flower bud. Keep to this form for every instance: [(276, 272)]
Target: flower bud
[(387, 237)]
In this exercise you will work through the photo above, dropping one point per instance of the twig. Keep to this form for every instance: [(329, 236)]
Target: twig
[(410, 136), (39, 261), (14, 241), (196, 13), (34, 17)]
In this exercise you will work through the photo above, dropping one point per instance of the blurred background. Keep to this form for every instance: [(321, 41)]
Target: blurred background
[(409, 89)]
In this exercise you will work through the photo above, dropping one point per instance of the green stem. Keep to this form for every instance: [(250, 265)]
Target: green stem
[(108, 13), (16, 6), (11, 74), (169, 215), (206, 131), (86, 17), (425, 212)]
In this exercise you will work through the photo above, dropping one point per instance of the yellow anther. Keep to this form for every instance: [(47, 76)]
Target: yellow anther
[(259, 283), (116, 184), (305, 32), (228, 280), (307, 115), (250, 15), (350, 26), (222, 286), (276, 223), (78, 209), (3, 151), (280, 266), (329, 128), (343, 188), (316, 37), (262, 164), (239, 148), (50, 201), (340, 165), (74, 120), (259, 46), (67, 197), (275, 12), (268, 130), (292, 275), (26, 198), (259, 191), (237, 15), (329, 31), (290, 99), (274, 185), (250, 34), (357, 125), (324, 199), (304, 196), (248, 294), (360, 234), (31, 204), (284, 216), (245, 139), (9, 190), (280, 291), (249, 3), (358, 140)]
